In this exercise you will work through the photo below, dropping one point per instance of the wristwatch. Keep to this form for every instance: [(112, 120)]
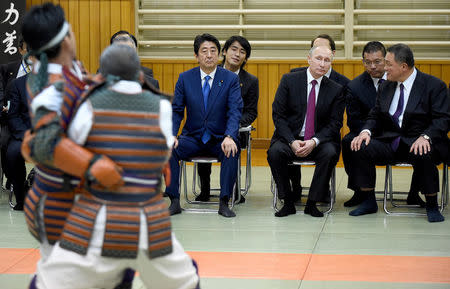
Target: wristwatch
[(426, 137), (229, 136)]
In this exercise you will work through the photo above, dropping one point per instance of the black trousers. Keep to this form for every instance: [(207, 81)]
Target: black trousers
[(325, 156), (378, 152), (346, 157), (16, 169)]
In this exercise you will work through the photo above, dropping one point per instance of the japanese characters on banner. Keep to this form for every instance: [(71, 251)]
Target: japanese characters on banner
[(11, 15)]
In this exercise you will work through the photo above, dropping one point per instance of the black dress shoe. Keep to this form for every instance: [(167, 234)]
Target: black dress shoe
[(434, 215), (18, 207), (414, 199), (311, 209), (357, 198), (224, 210), (174, 207), (288, 209), (202, 197)]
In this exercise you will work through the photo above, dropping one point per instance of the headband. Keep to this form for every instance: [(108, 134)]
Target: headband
[(57, 39)]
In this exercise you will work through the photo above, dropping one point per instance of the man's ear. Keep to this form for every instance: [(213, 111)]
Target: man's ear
[(141, 77)]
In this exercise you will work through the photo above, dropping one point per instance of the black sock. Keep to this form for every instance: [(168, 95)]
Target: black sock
[(310, 203), (431, 201)]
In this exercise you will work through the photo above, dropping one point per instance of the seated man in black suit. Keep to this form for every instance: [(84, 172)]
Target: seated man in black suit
[(9, 72), (307, 113), (409, 123), (18, 122), (128, 38), (319, 40), (360, 99), (236, 52)]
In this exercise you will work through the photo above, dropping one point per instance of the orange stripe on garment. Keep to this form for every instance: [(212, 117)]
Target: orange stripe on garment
[(365, 268)]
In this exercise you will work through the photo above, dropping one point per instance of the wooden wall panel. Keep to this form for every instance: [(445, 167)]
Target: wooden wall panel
[(93, 22)]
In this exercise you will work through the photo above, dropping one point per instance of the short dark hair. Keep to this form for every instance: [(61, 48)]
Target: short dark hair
[(120, 60), (328, 37), (402, 54), (243, 42), (21, 42), (199, 39), (123, 32), (40, 25), (374, 46)]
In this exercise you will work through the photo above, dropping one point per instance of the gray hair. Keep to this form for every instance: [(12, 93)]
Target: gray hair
[(312, 49), (120, 60)]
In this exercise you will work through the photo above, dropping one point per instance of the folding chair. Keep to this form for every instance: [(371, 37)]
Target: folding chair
[(183, 182), (248, 167), (389, 192), (274, 189)]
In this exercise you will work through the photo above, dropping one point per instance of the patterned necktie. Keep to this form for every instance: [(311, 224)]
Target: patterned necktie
[(397, 114), (310, 112), (206, 90)]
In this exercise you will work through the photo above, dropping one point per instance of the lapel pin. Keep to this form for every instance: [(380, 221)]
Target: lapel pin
[(220, 83)]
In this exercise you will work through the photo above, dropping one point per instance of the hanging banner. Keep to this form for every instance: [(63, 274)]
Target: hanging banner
[(11, 15)]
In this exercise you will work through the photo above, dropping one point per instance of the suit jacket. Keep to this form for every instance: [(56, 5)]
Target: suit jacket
[(18, 115), (224, 110), (427, 111), (289, 108), (335, 76), (148, 74), (360, 99), (250, 94), (8, 72)]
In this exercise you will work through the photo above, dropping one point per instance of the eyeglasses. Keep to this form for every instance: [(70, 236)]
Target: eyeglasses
[(376, 62)]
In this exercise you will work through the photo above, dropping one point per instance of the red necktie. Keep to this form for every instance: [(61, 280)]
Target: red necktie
[(310, 112)]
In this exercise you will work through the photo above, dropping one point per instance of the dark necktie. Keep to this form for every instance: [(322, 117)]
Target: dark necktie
[(206, 90), (380, 81), (310, 112), (397, 114)]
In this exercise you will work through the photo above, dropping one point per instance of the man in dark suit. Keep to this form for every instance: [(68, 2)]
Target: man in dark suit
[(213, 102), (9, 72), (236, 52), (18, 122), (307, 113), (360, 99), (409, 122), (129, 39), (319, 40)]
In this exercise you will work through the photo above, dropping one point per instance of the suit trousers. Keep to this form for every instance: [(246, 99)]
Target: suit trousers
[(325, 155), (15, 165), (189, 147), (346, 157), (379, 152)]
